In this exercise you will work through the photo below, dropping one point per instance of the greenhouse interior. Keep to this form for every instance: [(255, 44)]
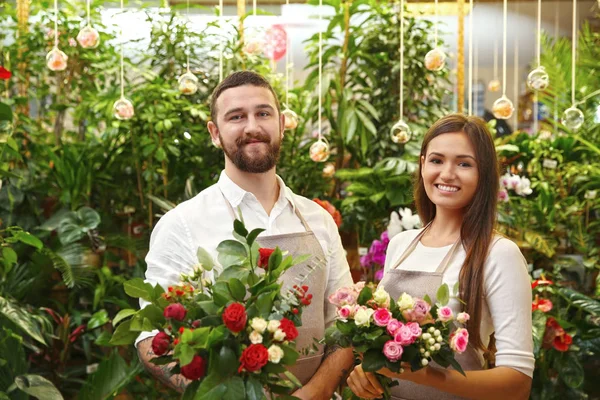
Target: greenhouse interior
[(321, 199)]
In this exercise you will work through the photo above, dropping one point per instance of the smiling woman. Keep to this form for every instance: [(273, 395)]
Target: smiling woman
[(456, 194)]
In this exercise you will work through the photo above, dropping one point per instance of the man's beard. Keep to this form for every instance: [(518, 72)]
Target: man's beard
[(252, 163)]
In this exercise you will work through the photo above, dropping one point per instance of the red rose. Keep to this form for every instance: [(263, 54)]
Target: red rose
[(4, 73), (253, 358), (175, 311), (263, 260), (194, 370), (234, 317), (161, 343), (288, 328), (562, 342)]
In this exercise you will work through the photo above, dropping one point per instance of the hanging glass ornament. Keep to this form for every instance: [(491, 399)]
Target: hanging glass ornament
[(400, 132), (253, 47), (494, 85), (503, 108), (56, 60), (572, 118), (88, 37), (538, 79), (319, 151), (435, 60), (291, 119), (188, 83), (329, 170), (123, 109)]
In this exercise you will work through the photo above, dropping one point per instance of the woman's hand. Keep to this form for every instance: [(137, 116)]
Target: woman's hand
[(406, 373), (364, 384)]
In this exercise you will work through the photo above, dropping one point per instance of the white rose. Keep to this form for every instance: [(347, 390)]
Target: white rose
[(381, 297), (279, 335), (462, 317), (275, 354), (255, 337), (258, 324), (405, 302), (363, 316), (273, 325)]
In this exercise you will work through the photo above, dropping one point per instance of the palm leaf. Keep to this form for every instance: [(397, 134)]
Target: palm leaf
[(580, 301)]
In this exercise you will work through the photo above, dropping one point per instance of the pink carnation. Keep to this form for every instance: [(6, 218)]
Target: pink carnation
[(445, 314), (392, 350), (415, 329), (459, 340), (393, 326), (382, 316), (404, 336)]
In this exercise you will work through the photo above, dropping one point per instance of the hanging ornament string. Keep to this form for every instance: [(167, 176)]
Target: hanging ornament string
[(122, 68), (287, 64), (88, 12), (495, 58), (476, 77), (539, 32), (435, 25), (254, 7), (319, 127), (221, 44), (516, 76), (470, 86), (401, 60), (573, 53), (505, 17), (56, 23), (187, 50)]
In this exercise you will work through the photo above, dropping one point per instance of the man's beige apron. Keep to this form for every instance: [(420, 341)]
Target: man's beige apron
[(313, 316), (418, 284)]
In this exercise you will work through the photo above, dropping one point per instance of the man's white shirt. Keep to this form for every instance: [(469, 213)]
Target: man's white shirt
[(206, 220)]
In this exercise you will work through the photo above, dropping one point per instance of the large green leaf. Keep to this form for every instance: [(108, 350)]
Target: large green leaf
[(231, 252), (98, 319), (237, 288), (6, 113), (580, 301), (227, 361), (38, 387), (14, 362), (572, 371), (443, 294), (254, 390), (137, 288), (89, 218), (235, 389), (28, 238), (22, 318), (111, 376), (205, 259), (123, 335), (373, 361), (539, 328), (121, 315)]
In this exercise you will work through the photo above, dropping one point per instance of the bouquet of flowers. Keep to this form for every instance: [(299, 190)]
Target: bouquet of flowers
[(232, 337), (395, 334)]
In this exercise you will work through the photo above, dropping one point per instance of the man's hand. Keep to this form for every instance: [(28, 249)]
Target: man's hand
[(161, 372)]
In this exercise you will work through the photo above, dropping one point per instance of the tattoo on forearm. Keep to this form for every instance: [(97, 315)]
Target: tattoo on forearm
[(329, 350)]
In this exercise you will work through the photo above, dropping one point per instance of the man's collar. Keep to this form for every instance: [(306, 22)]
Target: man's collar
[(235, 194)]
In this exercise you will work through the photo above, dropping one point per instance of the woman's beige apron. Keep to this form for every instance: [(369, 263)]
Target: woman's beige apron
[(418, 284), (313, 316)]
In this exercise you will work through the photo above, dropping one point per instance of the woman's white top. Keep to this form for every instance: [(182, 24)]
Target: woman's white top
[(507, 290)]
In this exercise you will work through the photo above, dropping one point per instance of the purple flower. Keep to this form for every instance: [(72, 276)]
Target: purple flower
[(379, 275), (385, 238), (366, 260), (378, 247), (378, 258)]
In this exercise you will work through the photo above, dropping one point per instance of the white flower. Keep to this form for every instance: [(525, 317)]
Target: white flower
[(381, 297), (462, 317), (405, 302), (279, 335), (395, 226), (258, 324), (589, 194), (275, 354), (524, 187), (409, 221), (363, 316), (273, 325), (255, 337)]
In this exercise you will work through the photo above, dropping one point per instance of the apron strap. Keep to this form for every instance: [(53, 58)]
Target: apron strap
[(411, 247), (234, 217)]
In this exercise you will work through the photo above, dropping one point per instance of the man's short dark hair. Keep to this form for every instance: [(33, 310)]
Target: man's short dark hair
[(236, 79)]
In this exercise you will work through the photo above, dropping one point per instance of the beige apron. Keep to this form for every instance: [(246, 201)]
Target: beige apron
[(418, 284), (313, 316)]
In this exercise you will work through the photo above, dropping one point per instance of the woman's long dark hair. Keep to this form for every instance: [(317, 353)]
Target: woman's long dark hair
[(479, 220)]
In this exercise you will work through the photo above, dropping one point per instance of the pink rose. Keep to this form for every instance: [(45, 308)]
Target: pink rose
[(415, 329), (445, 314), (392, 350), (382, 316), (463, 317), (459, 340), (404, 336), (345, 312), (419, 312), (343, 296), (393, 326)]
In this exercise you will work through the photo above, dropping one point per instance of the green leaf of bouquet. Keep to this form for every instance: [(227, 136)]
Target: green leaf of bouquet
[(410, 353), (254, 389), (136, 323), (428, 299), (186, 354), (162, 360), (301, 259), (379, 342), (365, 295), (443, 294), (121, 315), (190, 391), (137, 288), (344, 327), (271, 368), (292, 378), (205, 259), (373, 360), (186, 336), (216, 336), (153, 313), (221, 293), (455, 288), (235, 389), (234, 271), (239, 228), (374, 334), (209, 307), (253, 235), (457, 366), (98, 319), (211, 388), (200, 337), (290, 355), (231, 252), (237, 288), (123, 335), (264, 303), (275, 259), (227, 362), (441, 359)]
